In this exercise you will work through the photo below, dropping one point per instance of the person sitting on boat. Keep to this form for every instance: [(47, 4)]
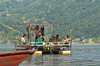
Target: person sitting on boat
[(66, 40), (37, 31), (57, 38), (43, 39), (39, 40), (23, 39)]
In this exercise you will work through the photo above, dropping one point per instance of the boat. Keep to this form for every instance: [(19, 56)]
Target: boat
[(14, 58), (45, 47)]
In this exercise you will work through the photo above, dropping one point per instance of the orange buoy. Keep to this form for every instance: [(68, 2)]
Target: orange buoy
[(64, 52), (38, 53)]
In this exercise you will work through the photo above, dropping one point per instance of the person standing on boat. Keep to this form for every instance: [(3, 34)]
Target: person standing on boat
[(37, 31)]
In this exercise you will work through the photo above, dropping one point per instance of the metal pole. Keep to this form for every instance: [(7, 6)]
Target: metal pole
[(15, 36), (53, 30), (70, 37), (29, 34)]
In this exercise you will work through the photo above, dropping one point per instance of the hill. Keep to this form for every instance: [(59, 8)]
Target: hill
[(84, 15)]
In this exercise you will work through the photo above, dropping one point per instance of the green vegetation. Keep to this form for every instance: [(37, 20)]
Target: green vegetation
[(84, 15)]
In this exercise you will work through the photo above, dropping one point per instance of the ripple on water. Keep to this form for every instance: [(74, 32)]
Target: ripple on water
[(86, 56), (80, 56)]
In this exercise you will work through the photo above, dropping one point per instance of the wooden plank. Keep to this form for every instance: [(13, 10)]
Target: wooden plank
[(14, 58)]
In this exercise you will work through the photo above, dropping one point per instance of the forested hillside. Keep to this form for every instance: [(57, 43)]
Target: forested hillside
[(84, 15)]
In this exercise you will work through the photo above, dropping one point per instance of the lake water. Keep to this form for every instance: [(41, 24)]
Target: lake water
[(80, 56)]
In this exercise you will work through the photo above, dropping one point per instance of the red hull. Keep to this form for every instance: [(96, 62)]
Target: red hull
[(14, 58)]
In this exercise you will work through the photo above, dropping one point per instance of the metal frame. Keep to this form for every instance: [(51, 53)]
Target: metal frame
[(46, 24)]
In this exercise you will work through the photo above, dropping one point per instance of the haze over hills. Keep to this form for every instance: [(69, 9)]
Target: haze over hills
[(84, 15)]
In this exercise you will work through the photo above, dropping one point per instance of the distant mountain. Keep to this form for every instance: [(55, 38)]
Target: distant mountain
[(84, 15)]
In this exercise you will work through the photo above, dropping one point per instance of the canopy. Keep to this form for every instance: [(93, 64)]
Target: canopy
[(43, 24)]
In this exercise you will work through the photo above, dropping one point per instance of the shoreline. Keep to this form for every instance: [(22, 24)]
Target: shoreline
[(88, 44), (6, 44)]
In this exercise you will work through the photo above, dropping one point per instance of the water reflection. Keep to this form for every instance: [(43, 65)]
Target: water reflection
[(48, 60)]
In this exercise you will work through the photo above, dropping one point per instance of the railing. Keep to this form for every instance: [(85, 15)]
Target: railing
[(42, 44)]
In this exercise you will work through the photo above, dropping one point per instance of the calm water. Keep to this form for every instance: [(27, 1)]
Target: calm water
[(81, 56)]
